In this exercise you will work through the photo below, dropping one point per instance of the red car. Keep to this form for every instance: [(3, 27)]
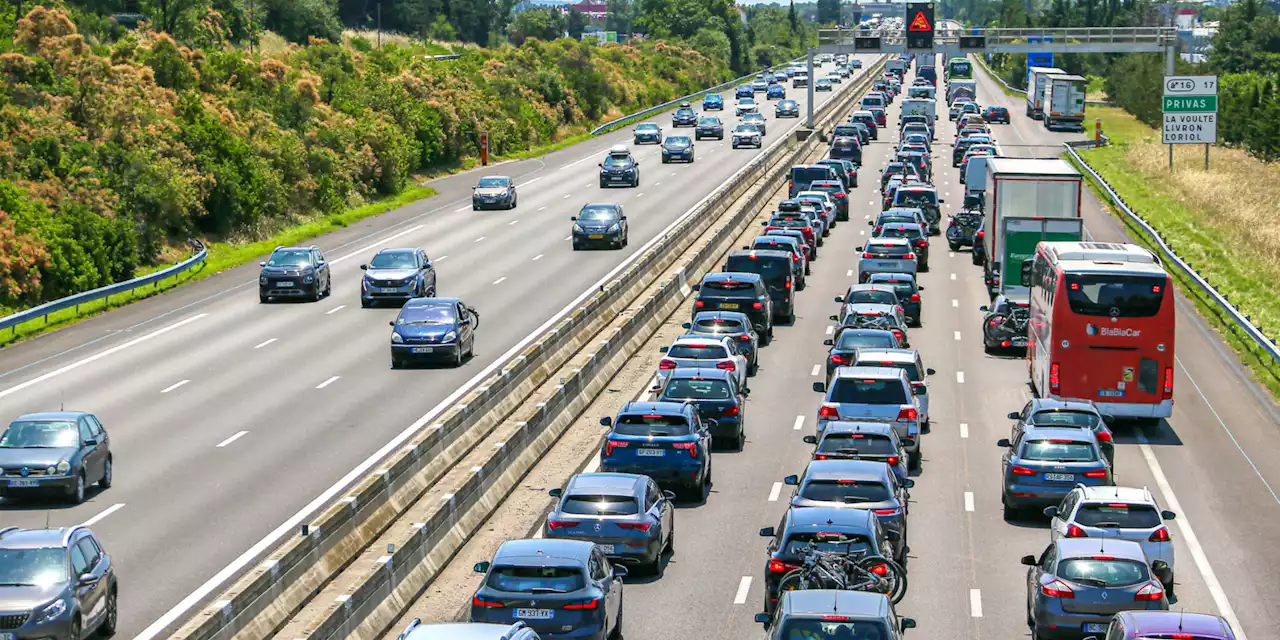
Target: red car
[(881, 119)]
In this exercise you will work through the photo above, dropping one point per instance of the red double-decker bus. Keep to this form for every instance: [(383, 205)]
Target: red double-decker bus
[(1101, 327)]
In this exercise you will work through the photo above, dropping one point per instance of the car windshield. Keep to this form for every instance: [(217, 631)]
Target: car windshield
[(1115, 296), (290, 258), (689, 389), (647, 128), (536, 579), (845, 491), (494, 183), (719, 325), (40, 434), (32, 567), (617, 161), (429, 314), (872, 296), (787, 104), (1084, 419), (1100, 572), (697, 351), (745, 128), (1117, 514), (708, 120), (393, 260), (1059, 451), (829, 541), (862, 339), (677, 141), (868, 391), (598, 214), (651, 425), (863, 444), (901, 232), (600, 505), (914, 198)]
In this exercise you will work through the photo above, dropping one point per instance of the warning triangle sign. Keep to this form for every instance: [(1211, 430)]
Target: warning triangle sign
[(920, 23)]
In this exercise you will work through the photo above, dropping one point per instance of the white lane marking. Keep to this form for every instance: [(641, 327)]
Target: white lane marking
[(568, 237), (328, 382), (964, 430), (460, 209), (953, 276), (1189, 536), (500, 280), (775, 491), (542, 208), (264, 343), (975, 603), (951, 254), (441, 258), (584, 159), (512, 222), (381, 243), (955, 303), (960, 377), (537, 257), (483, 237), (639, 194), (105, 512), (968, 501), (830, 329), (98, 356), (861, 232), (743, 587), (233, 438), (566, 196), (849, 273), (799, 423), (957, 335), (816, 368), (525, 184), (335, 309), (657, 184), (174, 386)]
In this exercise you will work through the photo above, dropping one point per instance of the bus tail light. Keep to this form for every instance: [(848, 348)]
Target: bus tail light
[(1055, 378), (1167, 392)]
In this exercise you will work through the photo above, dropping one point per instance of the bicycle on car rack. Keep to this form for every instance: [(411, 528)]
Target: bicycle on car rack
[(835, 570)]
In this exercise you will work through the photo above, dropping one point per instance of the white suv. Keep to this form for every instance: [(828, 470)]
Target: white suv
[(1125, 513)]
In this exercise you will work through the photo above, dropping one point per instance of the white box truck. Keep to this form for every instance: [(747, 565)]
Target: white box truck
[(1064, 102), (961, 86), (1035, 89), (1024, 188), (921, 107)]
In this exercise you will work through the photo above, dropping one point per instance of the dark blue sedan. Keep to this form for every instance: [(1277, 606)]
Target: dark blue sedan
[(776, 92), (433, 329), (716, 393)]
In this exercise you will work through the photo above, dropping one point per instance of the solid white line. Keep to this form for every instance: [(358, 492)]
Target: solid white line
[(483, 237), (566, 196), (968, 501), (581, 160), (512, 222), (951, 254), (960, 377), (233, 438), (975, 603), (264, 343), (957, 335), (568, 237), (174, 386), (799, 423), (105, 512), (775, 492), (440, 258), (537, 257), (542, 208), (328, 382), (460, 209), (861, 232), (335, 309), (642, 193), (953, 276), (964, 430), (673, 173), (500, 280), (743, 587), (657, 184), (525, 184), (816, 369), (1189, 537), (830, 329), (955, 303), (849, 273), (98, 356)]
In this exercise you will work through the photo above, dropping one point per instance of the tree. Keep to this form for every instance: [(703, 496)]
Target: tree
[(542, 23), (575, 23), (683, 18), (792, 19), (619, 16), (1248, 39), (828, 11)]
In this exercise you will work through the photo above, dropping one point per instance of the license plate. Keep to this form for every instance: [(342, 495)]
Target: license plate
[(728, 306), (285, 283), (22, 483), (655, 453), (422, 349), (7, 636), (596, 236), (1060, 477), (1019, 341), (1111, 393), (1095, 627), (534, 614), (606, 548), (388, 290)]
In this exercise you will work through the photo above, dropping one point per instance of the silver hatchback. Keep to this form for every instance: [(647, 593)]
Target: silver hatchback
[(872, 394)]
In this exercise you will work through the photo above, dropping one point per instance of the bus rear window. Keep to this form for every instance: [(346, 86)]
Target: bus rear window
[(1116, 296)]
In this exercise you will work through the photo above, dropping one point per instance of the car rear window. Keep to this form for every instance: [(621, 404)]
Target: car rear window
[(868, 391), (913, 372), (1083, 419), (536, 579), (600, 505), (845, 491), (901, 232), (769, 245), (805, 175), (1059, 451), (911, 198), (719, 325), (821, 629), (697, 351), (874, 296), (689, 389), (857, 339), (1118, 514), (902, 289), (730, 289), (846, 130), (1115, 296), (863, 444), (829, 541), (651, 425), (888, 250), (1100, 572), (770, 267)]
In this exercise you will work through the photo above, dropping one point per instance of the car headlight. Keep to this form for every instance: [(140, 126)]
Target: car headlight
[(364, 284), (577, 227), (308, 279), (50, 471), (262, 279), (449, 337), (396, 339), (51, 612), (613, 228), (64, 467)]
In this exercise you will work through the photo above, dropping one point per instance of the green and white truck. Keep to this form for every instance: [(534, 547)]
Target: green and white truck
[(1020, 190), (1018, 239)]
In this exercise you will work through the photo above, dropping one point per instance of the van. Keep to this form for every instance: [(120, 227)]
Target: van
[(775, 269), (872, 101), (975, 175), (802, 175)]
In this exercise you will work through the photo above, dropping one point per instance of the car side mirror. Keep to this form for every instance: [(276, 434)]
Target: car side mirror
[(828, 342), (1106, 417), (262, 264), (791, 481), (364, 267), (767, 532), (1050, 512), (1014, 415), (811, 439), (859, 249), (763, 618), (871, 223), (929, 372), (600, 164), (606, 421), (764, 223), (984, 308), (909, 483), (819, 387), (696, 287), (663, 349), (1168, 515), (481, 567), (87, 579), (556, 492), (1030, 561), (573, 218), (840, 299), (686, 325), (669, 494), (746, 248), (1004, 442), (906, 623), (892, 536), (392, 323), (919, 288), (833, 318), (746, 391), (90, 442)]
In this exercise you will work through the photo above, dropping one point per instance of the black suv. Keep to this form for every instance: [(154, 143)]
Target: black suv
[(619, 168), (294, 272), (743, 292), (775, 268), (684, 116)]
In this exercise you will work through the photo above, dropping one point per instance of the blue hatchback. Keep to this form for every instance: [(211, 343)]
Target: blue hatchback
[(716, 394), (433, 329), (713, 102), (776, 92), (666, 441), (744, 91)]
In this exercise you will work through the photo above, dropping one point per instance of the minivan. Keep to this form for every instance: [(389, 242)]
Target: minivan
[(804, 174), (775, 268)]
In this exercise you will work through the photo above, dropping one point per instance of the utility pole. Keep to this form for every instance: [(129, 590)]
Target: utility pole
[(379, 24), (252, 30)]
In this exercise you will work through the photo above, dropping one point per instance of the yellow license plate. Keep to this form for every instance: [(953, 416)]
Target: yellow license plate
[(596, 236), (728, 306)]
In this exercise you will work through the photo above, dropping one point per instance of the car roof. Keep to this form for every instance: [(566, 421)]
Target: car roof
[(606, 483), (888, 276), (543, 549), (1074, 434), (1112, 494), (731, 276), (1088, 547), (846, 470), (835, 602), (427, 302), (466, 631), (888, 355), (826, 516), (844, 426), (787, 240), (869, 372), (888, 241), (699, 373), (1058, 404), (871, 286), (754, 254), (687, 339), (50, 416), (902, 225), (19, 538), (1170, 622), (661, 408)]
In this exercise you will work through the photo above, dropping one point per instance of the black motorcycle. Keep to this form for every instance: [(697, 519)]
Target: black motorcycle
[(962, 228)]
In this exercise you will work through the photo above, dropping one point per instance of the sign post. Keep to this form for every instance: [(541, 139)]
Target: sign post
[(484, 149), (919, 23), (1190, 110)]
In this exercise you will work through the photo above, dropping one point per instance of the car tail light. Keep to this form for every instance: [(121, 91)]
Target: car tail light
[(922, 243), (691, 447), (839, 359), (787, 284), (878, 229), (951, 223), (1057, 589), (610, 445), (732, 410), (727, 365), (1167, 391), (868, 256), (778, 566), (666, 365), (1096, 474), (982, 234), (635, 526), (995, 321), (1104, 436), (590, 604), (757, 305), (912, 257), (1055, 378), (915, 297), (842, 195), (698, 303), (1150, 592), (1021, 471), (790, 184), (897, 333), (795, 257), (477, 602), (880, 569), (819, 456), (908, 413), (1159, 535), (561, 524), (745, 338), (885, 512), (1076, 532), (828, 411)]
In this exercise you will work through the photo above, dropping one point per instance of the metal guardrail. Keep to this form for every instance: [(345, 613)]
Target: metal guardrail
[(995, 76), (667, 105), (1171, 256), (12, 321)]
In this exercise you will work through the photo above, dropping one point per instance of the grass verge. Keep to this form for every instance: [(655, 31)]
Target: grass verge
[(995, 77), (1218, 220)]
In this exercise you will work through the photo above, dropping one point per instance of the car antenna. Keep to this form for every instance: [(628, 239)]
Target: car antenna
[(1181, 614), (46, 519)]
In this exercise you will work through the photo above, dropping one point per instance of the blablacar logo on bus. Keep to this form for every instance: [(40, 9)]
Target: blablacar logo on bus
[(1094, 330)]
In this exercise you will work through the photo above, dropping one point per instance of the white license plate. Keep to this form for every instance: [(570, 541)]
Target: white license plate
[(7, 636), (1095, 627), (422, 349), (389, 290), (1060, 477), (1110, 393), (650, 452), (285, 283), (534, 614), (22, 483), (607, 549)]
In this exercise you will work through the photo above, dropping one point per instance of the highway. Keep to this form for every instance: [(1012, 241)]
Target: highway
[(1214, 462), (230, 420)]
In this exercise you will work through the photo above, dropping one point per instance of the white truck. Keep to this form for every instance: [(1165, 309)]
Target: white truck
[(922, 107), (1035, 89), (961, 86), (1064, 102), (897, 66), (1024, 188)]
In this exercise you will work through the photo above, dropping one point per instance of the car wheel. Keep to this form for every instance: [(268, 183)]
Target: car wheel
[(740, 442), (577, 246), (108, 626), (457, 357), (75, 629), (475, 207), (365, 304), (105, 481), (77, 492), (602, 185), (976, 260), (807, 269), (955, 246), (616, 634), (263, 298), (791, 317), (396, 363), (317, 293), (328, 287), (665, 160), (800, 286)]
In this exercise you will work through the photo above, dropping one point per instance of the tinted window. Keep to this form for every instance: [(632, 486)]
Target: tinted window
[(772, 245), (90, 551), (864, 444), (872, 297), (868, 391), (856, 339), (697, 352), (845, 491), (79, 564), (718, 325), (1117, 296), (651, 425), (913, 372), (708, 120), (598, 214), (1059, 451), (40, 434), (32, 566), (394, 260), (686, 389), (889, 250), (905, 198), (829, 541), (494, 183), (617, 161), (290, 258), (770, 268), (1065, 418), (730, 289), (901, 232), (1126, 516), (1103, 573), (443, 313), (600, 505), (814, 629), (677, 141), (536, 579)]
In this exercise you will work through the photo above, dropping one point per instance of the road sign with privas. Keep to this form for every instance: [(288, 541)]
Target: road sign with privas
[(1190, 109)]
